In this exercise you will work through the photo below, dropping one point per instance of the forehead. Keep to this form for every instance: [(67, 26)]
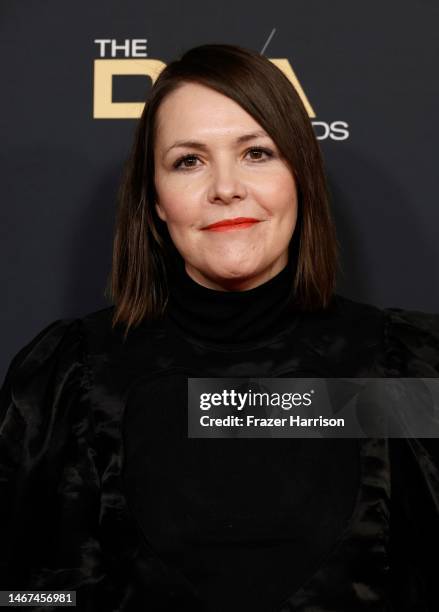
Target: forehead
[(196, 110)]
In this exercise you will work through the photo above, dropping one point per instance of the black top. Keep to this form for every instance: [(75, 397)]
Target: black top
[(245, 521), (103, 493)]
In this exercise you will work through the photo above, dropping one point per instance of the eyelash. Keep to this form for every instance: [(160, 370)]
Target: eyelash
[(178, 163)]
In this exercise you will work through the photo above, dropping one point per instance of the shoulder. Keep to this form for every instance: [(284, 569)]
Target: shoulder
[(355, 314), (76, 353), (411, 339), (44, 346), (409, 323), (402, 342), (348, 323), (408, 340), (66, 333), (61, 344), (72, 334)]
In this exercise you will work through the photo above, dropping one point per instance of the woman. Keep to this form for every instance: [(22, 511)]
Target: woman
[(225, 261)]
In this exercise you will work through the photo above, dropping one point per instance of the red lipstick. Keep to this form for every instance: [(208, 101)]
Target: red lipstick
[(229, 224)]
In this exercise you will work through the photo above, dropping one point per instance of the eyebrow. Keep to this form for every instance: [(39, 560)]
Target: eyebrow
[(195, 144)]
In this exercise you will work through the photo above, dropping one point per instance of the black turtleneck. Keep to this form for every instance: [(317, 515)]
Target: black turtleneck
[(243, 521), (248, 317)]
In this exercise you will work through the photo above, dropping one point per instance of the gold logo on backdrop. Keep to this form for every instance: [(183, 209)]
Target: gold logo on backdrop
[(105, 69)]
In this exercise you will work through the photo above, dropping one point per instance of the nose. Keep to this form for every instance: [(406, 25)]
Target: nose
[(226, 185)]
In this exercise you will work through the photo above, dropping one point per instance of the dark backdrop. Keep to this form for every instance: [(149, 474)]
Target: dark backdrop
[(370, 65)]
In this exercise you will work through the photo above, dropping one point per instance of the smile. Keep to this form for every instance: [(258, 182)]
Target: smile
[(232, 226)]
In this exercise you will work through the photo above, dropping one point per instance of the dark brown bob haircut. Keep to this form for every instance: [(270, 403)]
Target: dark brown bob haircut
[(143, 249)]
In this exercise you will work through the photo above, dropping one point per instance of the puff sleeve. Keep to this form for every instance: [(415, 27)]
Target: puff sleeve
[(411, 340), (412, 351), (48, 479)]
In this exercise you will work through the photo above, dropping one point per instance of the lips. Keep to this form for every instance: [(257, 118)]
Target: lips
[(238, 222)]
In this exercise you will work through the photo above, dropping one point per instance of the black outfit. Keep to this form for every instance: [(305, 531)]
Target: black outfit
[(105, 493)]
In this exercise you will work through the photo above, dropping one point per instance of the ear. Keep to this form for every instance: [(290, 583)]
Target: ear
[(160, 211)]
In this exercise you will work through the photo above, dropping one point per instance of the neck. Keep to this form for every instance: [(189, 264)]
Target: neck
[(231, 317)]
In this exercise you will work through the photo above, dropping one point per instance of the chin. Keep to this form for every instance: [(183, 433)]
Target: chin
[(234, 271), (234, 276), (233, 265)]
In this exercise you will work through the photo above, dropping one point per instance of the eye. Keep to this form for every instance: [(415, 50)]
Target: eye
[(186, 162), (182, 160), (258, 151)]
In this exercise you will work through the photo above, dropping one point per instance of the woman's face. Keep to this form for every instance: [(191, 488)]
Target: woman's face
[(214, 162)]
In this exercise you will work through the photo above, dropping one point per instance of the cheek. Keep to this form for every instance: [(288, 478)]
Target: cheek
[(180, 214), (178, 202), (172, 201), (283, 196)]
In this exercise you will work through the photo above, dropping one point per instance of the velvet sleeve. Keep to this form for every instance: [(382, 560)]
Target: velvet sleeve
[(48, 480), (412, 351), (411, 341)]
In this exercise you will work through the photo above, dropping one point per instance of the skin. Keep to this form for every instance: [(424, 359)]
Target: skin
[(223, 180)]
